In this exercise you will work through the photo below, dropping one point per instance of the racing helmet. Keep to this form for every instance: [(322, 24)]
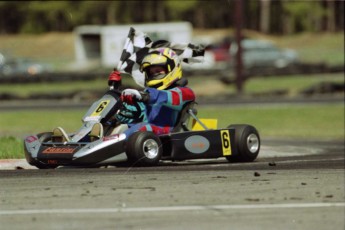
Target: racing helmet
[(162, 67)]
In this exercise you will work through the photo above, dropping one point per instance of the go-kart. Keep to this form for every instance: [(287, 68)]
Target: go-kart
[(190, 139)]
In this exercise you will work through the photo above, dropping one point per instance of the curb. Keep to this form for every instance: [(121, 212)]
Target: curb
[(15, 164)]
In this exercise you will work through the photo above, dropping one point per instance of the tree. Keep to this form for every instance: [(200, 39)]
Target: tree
[(278, 16), (56, 16), (302, 16), (11, 16), (265, 15), (331, 21)]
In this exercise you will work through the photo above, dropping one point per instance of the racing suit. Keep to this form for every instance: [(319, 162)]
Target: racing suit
[(162, 109)]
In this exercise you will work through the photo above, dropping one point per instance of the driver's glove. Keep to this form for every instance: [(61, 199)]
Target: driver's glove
[(130, 96)]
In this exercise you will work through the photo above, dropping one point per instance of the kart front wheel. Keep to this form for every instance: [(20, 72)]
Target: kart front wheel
[(144, 149), (247, 143)]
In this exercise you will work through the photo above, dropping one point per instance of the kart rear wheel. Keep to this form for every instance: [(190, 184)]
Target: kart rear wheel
[(144, 149), (247, 143)]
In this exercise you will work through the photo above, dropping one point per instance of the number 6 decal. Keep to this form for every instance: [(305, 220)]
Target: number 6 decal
[(100, 108), (226, 145)]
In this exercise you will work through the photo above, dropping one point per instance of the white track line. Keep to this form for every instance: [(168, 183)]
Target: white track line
[(168, 209)]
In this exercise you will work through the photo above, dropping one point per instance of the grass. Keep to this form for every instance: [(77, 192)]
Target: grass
[(309, 122), (25, 90), (325, 48), (11, 148), (323, 122), (293, 121), (292, 83), (15, 126), (317, 48), (57, 49)]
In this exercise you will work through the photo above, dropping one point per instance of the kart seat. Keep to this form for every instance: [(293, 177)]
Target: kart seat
[(184, 117), (96, 132), (59, 135)]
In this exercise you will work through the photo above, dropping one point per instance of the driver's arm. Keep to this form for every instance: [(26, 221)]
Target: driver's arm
[(174, 98)]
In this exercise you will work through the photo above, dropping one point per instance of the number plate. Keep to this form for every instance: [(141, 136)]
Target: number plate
[(102, 105), (226, 145)]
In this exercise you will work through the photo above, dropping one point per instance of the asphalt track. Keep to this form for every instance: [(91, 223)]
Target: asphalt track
[(292, 185)]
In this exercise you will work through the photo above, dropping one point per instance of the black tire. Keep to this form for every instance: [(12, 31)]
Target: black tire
[(144, 149), (44, 137), (247, 143)]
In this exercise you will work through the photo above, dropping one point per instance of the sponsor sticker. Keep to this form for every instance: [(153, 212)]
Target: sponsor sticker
[(94, 118), (60, 150), (112, 137), (226, 145), (31, 139), (197, 144)]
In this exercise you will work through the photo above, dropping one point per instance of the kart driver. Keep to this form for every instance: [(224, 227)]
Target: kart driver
[(156, 108)]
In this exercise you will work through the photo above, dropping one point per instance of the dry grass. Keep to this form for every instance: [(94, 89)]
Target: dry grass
[(323, 47), (50, 47)]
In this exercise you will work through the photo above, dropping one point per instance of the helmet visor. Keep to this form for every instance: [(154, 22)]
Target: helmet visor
[(156, 72)]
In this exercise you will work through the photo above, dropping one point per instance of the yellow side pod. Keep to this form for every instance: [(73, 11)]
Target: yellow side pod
[(209, 123)]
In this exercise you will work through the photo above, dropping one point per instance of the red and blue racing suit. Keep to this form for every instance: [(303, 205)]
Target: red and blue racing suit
[(162, 110)]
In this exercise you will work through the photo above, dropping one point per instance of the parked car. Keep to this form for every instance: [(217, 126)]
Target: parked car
[(262, 53), (2, 59), (21, 66)]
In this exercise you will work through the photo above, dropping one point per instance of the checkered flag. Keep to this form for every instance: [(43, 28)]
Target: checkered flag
[(138, 45)]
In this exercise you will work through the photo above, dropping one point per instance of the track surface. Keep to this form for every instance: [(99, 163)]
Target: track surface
[(292, 185)]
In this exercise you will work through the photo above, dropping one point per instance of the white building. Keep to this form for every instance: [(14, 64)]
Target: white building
[(104, 44)]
